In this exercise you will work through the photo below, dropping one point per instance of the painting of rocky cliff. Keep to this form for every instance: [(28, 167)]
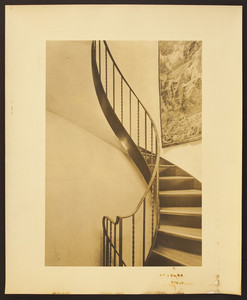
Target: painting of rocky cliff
[(180, 75)]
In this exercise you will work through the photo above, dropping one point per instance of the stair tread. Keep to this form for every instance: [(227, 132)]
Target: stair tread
[(178, 256), (176, 177), (184, 232), (181, 192), (187, 211)]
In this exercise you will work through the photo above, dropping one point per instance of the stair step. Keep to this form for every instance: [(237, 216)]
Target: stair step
[(176, 182), (181, 193), (182, 211), (179, 243), (178, 257), (172, 198), (190, 233), (176, 178), (194, 221), (165, 170), (171, 170)]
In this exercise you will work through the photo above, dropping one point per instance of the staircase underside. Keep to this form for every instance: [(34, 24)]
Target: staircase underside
[(179, 237)]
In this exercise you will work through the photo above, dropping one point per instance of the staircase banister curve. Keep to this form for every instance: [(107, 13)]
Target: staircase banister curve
[(121, 74), (129, 144)]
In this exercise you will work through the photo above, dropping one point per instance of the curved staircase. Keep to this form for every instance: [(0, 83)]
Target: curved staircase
[(179, 236), (168, 215)]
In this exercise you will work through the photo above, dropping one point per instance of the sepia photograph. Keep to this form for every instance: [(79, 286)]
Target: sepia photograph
[(113, 199), (123, 149)]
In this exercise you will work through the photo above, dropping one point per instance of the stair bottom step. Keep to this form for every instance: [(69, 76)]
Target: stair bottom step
[(181, 244), (175, 257)]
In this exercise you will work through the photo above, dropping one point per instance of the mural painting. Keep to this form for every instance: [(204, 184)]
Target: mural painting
[(180, 75)]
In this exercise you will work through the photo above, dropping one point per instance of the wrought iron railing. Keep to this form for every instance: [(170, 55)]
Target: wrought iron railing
[(129, 239)]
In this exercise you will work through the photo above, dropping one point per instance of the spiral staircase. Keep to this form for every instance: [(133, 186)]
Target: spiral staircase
[(165, 227)]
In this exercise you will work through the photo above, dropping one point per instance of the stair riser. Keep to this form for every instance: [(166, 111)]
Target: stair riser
[(167, 171), (178, 243), (186, 201), (171, 171), (176, 184), (158, 260), (186, 221)]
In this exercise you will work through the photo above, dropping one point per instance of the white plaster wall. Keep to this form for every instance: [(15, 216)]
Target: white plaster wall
[(88, 174), (86, 179), (70, 91)]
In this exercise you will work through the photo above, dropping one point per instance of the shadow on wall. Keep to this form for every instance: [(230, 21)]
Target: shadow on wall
[(70, 92)]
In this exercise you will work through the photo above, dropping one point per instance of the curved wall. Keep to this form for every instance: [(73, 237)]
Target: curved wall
[(70, 91), (88, 173), (86, 179)]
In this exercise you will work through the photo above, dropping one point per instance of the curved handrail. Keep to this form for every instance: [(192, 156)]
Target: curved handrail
[(150, 173)]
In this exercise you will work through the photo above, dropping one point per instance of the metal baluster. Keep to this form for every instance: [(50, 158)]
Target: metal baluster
[(113, 75), (157, 186), (152, 220), (130, 110), (107, 244), (152, 164), (144, 230), (104, 242), (122, 99), (133, 240), (99, 60), (138, 124), (120, 243), (106, 71), (115, 233), (145, 135), (110, 241), (157, 191)]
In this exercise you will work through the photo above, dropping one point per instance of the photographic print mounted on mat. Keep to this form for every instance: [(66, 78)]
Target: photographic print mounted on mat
[(180, 75)]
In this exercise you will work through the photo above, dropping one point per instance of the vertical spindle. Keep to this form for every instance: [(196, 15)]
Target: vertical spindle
[(130, 109), (152, 218), (122, 99), (152, 164), (104, 262), (138, 123), (106, 71), (107, 244), (110, 241), (157, 196), (145, 135), (144, 231), (133, 240), (115, 242), (99, 60), (120, 243), (113, 93)]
